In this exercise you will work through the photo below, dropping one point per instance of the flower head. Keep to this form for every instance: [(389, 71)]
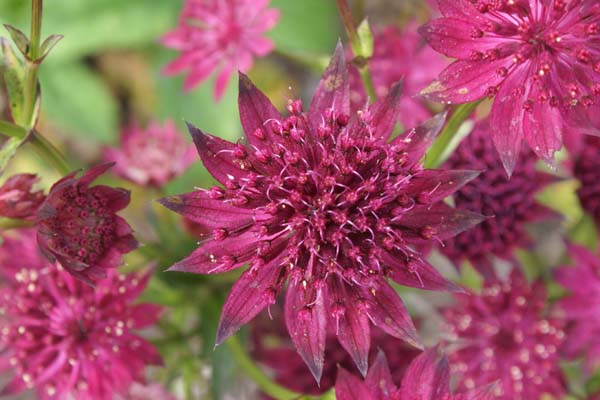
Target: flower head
[(151, 157), (427, 378), (581, 307), (289, 370), (219, 35), (538, 58), (323, 200), (586, 169), (66, 339), (151, 391), (400, 55), (78, 227), (17, 199), (510, 203), (504, 335)]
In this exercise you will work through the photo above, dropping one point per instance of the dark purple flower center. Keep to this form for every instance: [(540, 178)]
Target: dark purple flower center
[(84, 228)]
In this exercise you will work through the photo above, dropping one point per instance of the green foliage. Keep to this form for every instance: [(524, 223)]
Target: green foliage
[(79, 102), (306, 26)]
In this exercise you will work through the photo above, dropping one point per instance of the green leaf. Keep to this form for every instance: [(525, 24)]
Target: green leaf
[(79, 102), (8, 151), (91, 26), (10, 129), (306, 26), (14, 79), (19, 39), (48, 45), (366, 39), (443, 145), (585, 232)]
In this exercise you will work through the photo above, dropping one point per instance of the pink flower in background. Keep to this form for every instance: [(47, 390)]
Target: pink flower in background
[(586, 169), (505, 335), (510, 203), (78, 226), (151, 391), (400, 55), (427, 378), (324, 200), (17, 198), (151, 156), (273, 349), (221, 36), (581, 306), (66, 339), (538, 58)]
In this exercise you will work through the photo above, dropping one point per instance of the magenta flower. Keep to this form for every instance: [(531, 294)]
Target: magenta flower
[(78, 227), (504, 335), (151, 391), (272, 350), (586, 169), (17, 198), (581, 307), (66, 339), (400, 55), (219, 35), (538, 58), (323, 200), (427, 378), (510, 203), (151, 157)]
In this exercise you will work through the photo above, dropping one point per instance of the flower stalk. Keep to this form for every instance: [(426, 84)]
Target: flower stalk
[(362, 54), (263, 381)]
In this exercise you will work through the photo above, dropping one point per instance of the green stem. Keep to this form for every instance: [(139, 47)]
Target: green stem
[(263, 381), (47, 150), (438, 151), (36, 28), (12, 130), (10, 223), (357, 47)]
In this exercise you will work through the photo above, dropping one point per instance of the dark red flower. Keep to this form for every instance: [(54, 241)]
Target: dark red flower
[(581, 307), (587, 171), (400, 55), (17, 199), (510, 203), (273, 349), (505, 335), (323, 200), (538, 59), (65, 339), (78, 227), (427, 378)]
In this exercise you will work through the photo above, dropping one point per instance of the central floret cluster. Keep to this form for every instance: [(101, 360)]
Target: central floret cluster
[(322, 198)]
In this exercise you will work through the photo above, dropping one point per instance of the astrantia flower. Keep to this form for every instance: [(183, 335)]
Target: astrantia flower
[(151, 391), (78, 227), (587, 171), (272, 350), (66, 339), (222, 36), (151, 157), (581, 307), (540, 59), (400, 55), (323, 200), (17, 198), (510, 203), (427, 378), (504, 335)]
